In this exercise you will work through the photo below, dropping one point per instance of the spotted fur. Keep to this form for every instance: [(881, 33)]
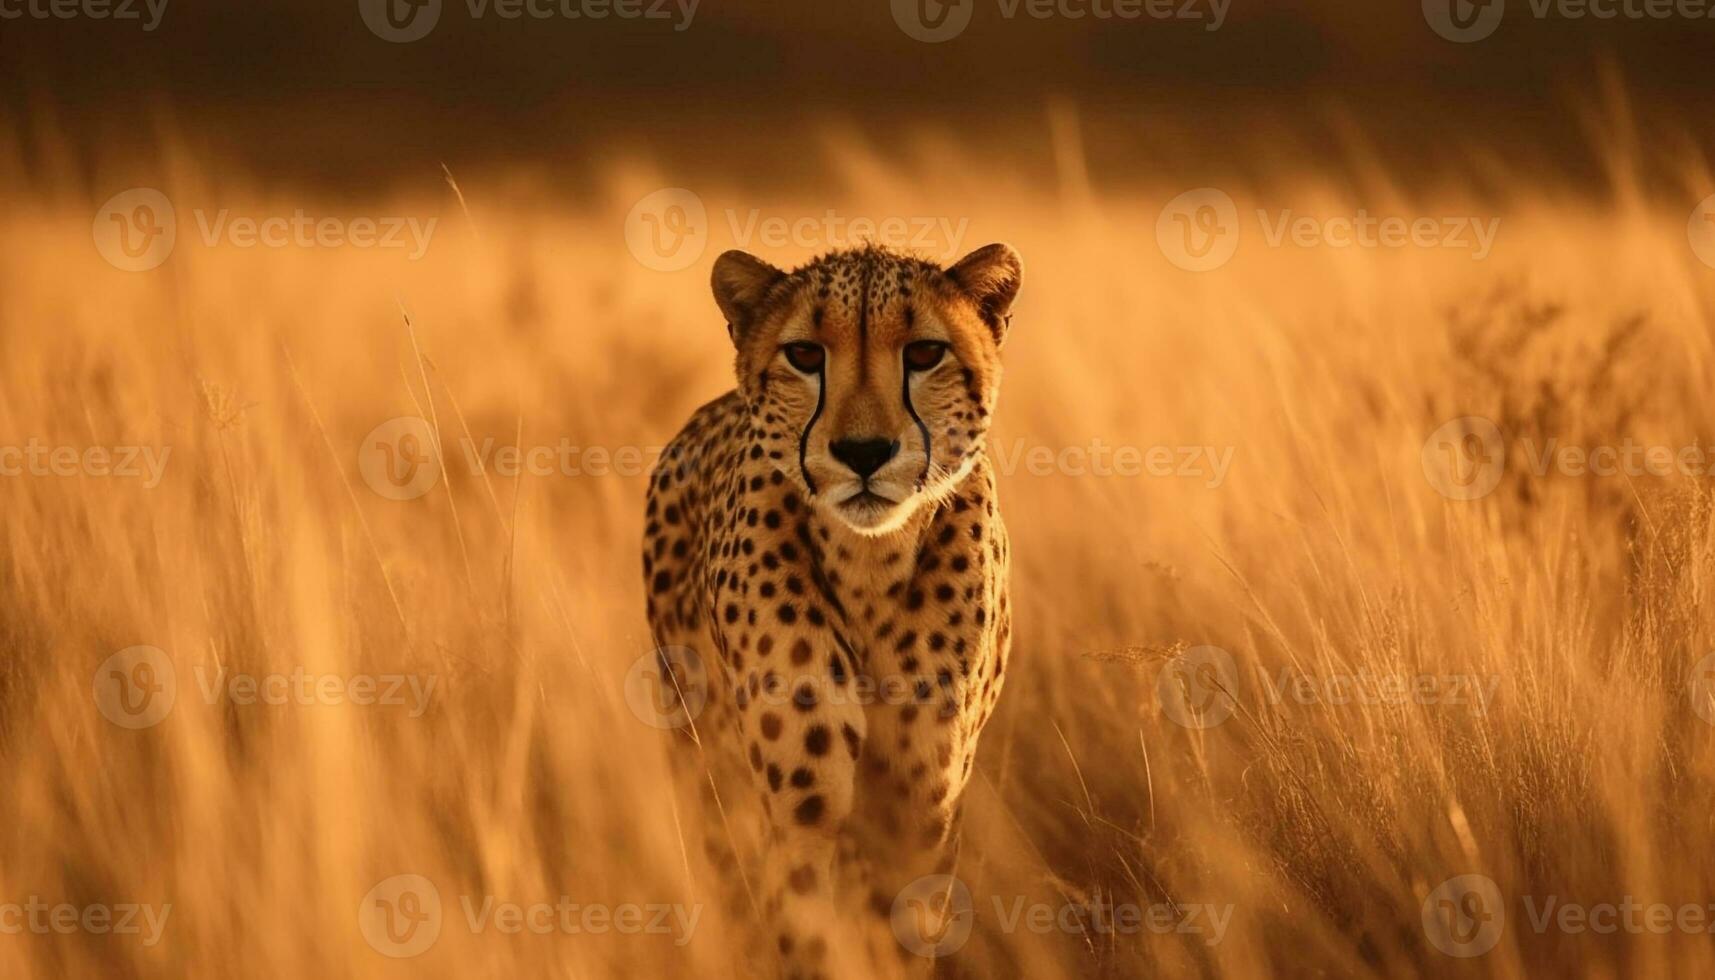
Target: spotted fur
[(854, 628)]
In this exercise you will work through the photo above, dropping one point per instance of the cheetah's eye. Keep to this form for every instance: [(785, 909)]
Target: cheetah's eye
[(805, 357), (924, 354)]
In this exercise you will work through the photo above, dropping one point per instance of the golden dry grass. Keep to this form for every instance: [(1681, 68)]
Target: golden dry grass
[(1325, 550)]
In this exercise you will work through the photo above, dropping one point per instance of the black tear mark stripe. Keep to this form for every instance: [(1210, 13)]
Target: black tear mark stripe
[(928, 453), (804, 437)]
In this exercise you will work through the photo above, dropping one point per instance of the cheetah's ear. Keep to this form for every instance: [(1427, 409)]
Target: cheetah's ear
[(990, 276), (741, 281)]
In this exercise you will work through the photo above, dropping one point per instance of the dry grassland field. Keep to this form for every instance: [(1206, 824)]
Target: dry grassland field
[(1361, 559)]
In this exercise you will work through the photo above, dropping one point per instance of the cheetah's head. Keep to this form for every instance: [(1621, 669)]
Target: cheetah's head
[(870, 376)]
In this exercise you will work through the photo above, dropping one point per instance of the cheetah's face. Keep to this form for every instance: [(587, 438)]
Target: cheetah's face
[(870, 376)]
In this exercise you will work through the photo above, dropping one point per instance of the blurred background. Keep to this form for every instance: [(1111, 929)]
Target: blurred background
[(305, 91)]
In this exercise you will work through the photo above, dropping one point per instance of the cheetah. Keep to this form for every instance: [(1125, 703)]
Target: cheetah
[(824, 554)]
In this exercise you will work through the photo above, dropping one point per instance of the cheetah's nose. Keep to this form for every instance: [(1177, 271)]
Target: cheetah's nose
[(864, 456)]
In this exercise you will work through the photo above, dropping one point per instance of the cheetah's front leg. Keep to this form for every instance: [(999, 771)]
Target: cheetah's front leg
[(937, 661), (803, 736)]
